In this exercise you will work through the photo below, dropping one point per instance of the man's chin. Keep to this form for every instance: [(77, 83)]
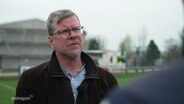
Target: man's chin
[(73, 54)]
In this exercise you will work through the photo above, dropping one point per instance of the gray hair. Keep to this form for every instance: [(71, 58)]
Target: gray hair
[(56, 17)]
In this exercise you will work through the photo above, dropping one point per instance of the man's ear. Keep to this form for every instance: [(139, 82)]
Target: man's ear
[(51, 41)]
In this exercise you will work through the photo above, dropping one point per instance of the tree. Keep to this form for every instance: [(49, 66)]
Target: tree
[(125, 48), (182, 43), (141, 49), (152, 53), (172, 51), (94, 44), (143, 38), (182, 38)]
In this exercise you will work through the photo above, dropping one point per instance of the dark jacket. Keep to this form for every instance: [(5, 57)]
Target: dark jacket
[(47, 84), (162, 87)]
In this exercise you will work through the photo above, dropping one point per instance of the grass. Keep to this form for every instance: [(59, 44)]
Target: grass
[(124, 79), (8, 85), (7, 89)]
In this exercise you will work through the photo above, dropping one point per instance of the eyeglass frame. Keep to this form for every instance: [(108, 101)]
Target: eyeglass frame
[(67, 31)]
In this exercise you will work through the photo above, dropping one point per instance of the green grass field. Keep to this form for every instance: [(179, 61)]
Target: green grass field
[(8, 85), (7, 89)]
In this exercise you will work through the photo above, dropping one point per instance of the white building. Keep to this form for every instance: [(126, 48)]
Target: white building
[(23, 43)]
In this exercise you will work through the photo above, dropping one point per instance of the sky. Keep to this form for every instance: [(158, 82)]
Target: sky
[(108, 20)]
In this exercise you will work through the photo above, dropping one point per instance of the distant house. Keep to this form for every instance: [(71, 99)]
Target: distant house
[(107, 59), (23, 43)]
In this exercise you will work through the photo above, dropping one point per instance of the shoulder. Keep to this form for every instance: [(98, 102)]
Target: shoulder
[(36, 70), (107, 76), (104, 72), (31, 79)]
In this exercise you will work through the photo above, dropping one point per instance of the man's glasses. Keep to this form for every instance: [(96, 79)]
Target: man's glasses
[(67, 32)]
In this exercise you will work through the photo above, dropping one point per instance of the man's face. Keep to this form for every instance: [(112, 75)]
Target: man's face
[(68, 45)]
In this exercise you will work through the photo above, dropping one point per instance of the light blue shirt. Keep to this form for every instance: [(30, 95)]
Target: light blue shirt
[(75, 80)]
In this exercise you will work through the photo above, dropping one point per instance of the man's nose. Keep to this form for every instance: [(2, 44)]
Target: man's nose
[(72, 34)]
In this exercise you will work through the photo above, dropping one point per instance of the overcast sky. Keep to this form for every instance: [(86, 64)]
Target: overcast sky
[(110, 20)]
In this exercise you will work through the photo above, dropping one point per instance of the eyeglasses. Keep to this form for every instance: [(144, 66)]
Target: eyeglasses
[(67, 32)]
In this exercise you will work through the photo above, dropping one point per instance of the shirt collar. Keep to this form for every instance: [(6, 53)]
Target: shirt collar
[(81, 71), (90, 66)]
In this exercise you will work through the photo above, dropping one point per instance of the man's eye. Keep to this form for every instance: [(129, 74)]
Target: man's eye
[(63, 31), (75, 29)]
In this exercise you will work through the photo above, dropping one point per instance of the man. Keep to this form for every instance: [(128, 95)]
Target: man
[(162, 87), (71, 76)]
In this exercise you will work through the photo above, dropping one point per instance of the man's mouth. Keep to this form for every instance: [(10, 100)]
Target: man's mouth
[(73, 44)]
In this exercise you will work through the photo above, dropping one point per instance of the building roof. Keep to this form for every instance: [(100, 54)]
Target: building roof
[(26, 24)]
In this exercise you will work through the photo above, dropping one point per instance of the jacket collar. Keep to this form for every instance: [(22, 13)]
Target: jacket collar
[(90, 66)]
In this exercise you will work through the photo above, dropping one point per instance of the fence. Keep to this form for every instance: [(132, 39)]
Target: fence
[(117, 69)]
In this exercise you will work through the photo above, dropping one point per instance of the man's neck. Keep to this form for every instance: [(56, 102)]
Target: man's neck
[(72, 65)]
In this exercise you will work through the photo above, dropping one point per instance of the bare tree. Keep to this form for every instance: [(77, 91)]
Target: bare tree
[(126, 48), (143, 38), (182, 43), (172, 51), (182, 37)]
